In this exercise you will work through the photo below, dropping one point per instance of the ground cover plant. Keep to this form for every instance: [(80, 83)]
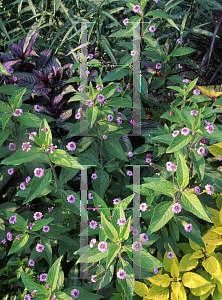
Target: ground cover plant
[(90, 205)]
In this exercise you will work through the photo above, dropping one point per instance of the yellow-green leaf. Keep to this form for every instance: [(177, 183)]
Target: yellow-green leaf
[(112, 253), (169, 261), (109, 229), (187, 264), (176, 288), (161, 280), (210, 248), (202, 289), (174, 270), (193, 280), (197, 254), (212, 266), (158, 293), (140, 289), (194, 246), (212, 238)]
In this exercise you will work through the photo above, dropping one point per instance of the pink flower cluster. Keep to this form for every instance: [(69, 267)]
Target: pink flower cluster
[(171, 167)]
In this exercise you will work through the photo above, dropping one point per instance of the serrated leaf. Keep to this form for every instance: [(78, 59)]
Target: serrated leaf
[(18, 244), (178, 142), (53, 274), (182, 171), (161, 216), (113, 250), (109, 229)]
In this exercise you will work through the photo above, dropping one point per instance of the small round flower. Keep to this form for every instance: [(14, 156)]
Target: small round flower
[(175, 133), (39, 172), (9, 236), (152, 28), (144, 238), (45, 129), (37, 215), (46, 228), (176, 208), (40, 248), (102, 247), (185, 131), (131, 122), (100, 98), (94, 176), (93, 224), (158, 66), (119, 89), (37, 108), (210, 189), (18, 112), (180, 67), (28, 178), (121, 274), (93, 278), (133, 52), (47, 285), (110, 118), (131, 227), (77, 115), (31, 262), (104, 137), (168, 165), (186, 80), (22, 186), (170, 255), (219, 157), (143, 206), (130, 154), (119, 120), (30, 225), (148, 160), (116, 201), (89, 103), (10, 171), (101, 226), (71, 199), (121, 222), (137, 8), (201, 151), (54, 297), (99, 87), (196, 92), (210, 128), (129, 173), (92, 243), (3, 241), (26, 146), (27, 297), (166, 45), (18, 237), (71, 146), (13, 219), (173, 167), (179, 41), (90, 196), (12, 146), (125, 21), (75, 293), (43, 277), (51, 148), (197, 189), (10, 70), (80, 88), (90, 56), (50, 209), (194, 112), (136, 246), (34, 292), (155, 270), (188, 227), (135, 232)]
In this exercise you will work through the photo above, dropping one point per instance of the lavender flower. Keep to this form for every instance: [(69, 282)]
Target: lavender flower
[(210, 189), (22, 186), (46, 228), (26, 146), (201, 151), (93, 224), (102, 247), (89, 103), (188, 227), (110, 118), (13, 219), (144, 238), (143, 206), (71, 146), (197, 189), (119, 89), (39, 172), (71, 199), (179, 41), (92, 243), (90, 196), (170, 255), (121, 222), (43, 277), (125, 21), (94, 176), (100, 98), (176, 208), (12, 146), (175, 133), (152, 28), (185, 131), (186, 80), (121, 274), (137, 8), (129, 173), (158, 66), (18, 112), (99, 87), (10, 171), (133, 52), (31, 137), (9, 236), (155, 270), (194, 112), (135, 232), (116, 201), (37, 108), (136, 246), (40, 248), (31, 262), (75, 293), (196, 92)]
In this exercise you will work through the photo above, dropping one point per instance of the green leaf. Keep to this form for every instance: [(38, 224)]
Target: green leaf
[(164, 138), (5, 119), (121, 102), (98, 201), (161, 215), (112, 253), (60, 158), (20, 224), (21, 156), (152, 42), (124, 233), (38, 185), (181, 51), (178, 142), (92, 115), (175, 88), (174, 231), (92, 255), (27, 119), (116, 74), (101, 184), (73, 207), (10, 89), (40, 223), (48, 250), (192, 85), (17, 244), (115, 148), (182, 171), (17, 97), (104, 280), (161, 186), (106, 45), (198, 162), (3, 136), (77, 128), (193, 205), (127, 283), (53, 274), (109, 90), (2, 68), (109, 229), (63, 296), (31, 286), (45, 136)]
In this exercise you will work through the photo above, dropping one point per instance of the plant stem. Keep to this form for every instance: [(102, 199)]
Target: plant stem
[(193, 134), (16, 132), (142, 24), (101, 152)]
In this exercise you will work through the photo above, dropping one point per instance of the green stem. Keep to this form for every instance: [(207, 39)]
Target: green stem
[(16, 132), (193, 134)]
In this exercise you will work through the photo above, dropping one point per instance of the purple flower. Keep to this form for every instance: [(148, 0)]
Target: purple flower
[(99, 87), (116, 201), (31, 137), (119, 120), (45, 129), (176, 208), (80, 88), (22, 186), (30, 225), (46, 228), (28, 178), (197, 189), (89, 103), (90, 56), (121, 274), (130, 154), (75, 293), (27, 297), (71, 146), (3, 241), (196, 92), (43, 277), (121, 221), (26, 146), (9, 236), (156, 2), (40, 248), (102, 247), (194, 112), (37, 215), (210, 189), (175, 133), (101, 226), (137, 8), (136, 246), (186, 80), (220, 157), (131, 122), (148, 160), (18, 112), (94, 176), (51, 148), (119, 89), (185, 131), (135, 232), (104, 137), (133, 52), (92, 243), (144, 238), (149, 155), (129, 173), (90, 196), (180, 67), (188, 227), (94, 278), (173, 167), (47, 285), (210, 128), (10, 70), (77, 115), (155, 270), (39, 172), (152, 28), (31, 262), (50, 209), (143, 206), (166, 45), (204, 140), (13, 219), (12, 146), (37, 108), (71, 199), (170, 255), (33, 293), (125, 21), (110, 118), (100, 98), (10, 171), (179, 41), (93, 224), (158, 66), (201, 151)]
